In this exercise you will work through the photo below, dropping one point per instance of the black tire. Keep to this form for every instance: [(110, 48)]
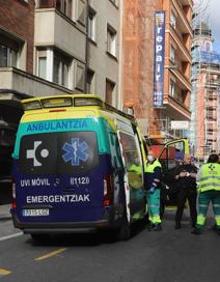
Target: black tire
[(124, 231), (162, 209), (40, 237)]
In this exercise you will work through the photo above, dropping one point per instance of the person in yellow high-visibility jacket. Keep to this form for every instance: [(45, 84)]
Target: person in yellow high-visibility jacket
[(209, 191), (153, 176)]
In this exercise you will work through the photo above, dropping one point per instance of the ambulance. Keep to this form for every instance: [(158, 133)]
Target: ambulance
[(78, 166)]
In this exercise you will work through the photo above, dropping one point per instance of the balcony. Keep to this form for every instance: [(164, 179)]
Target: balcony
[(183, 21), (211, 117), (187, 2), (176, 109), (183, 50), (182, 80), (12, 78), (65, 7), (210, 107), (211, 98), (71, 9), (213, 83), (59, 32)]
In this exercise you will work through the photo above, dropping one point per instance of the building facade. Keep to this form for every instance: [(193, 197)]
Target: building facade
[(104, 56), (18, 50), (48, 47), (54, 46), (205, 93), (158, 65)]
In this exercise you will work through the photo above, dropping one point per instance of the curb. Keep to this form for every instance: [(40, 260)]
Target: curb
[(5, 212), (5, 218)]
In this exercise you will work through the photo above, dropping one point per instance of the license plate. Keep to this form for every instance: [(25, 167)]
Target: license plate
[(35, 212)]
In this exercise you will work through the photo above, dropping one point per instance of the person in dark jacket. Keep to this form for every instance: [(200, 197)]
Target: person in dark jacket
[(171, 182), (186, 185)]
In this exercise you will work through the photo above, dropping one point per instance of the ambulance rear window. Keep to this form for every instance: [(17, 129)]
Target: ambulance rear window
[(60, 153)]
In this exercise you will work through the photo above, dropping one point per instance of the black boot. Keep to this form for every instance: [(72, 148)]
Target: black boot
[(157, 227), (178, 225), (216, 228), (196, 231), (150, 226)]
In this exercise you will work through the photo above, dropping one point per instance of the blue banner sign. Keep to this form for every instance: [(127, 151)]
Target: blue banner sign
[(159, 45)]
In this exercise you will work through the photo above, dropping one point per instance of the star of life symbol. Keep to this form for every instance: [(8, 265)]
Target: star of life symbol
[(75, 151), (31, 154)]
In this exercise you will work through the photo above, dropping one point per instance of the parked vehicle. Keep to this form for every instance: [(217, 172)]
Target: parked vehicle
[(78, 166), (8, 126)]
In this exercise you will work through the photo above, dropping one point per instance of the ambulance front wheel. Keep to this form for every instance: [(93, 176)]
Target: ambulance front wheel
[(124, 232)]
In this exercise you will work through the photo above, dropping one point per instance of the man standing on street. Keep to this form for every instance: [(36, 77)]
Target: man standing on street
[(152, 185), (209, 191), (186, 190)]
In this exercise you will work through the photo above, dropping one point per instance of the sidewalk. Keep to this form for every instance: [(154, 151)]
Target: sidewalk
[(5, 212)]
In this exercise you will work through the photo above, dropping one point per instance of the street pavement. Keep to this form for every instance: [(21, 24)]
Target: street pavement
[(5, 212), (6, 225), (167, 256)]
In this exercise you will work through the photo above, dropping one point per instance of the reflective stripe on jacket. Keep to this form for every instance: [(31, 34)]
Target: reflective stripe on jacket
[(209, 177)]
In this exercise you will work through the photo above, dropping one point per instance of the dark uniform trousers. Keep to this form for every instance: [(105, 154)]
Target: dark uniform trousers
[(183, 195)]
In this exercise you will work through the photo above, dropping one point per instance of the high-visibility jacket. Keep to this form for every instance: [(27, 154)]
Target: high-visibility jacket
[(209, 177), (136, 168), (152, 174)]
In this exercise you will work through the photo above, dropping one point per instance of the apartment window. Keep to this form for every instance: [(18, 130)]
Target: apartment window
[(42, 67), (44, 4), (90, 79), (111, 41), (61, 66), (65, 6), (91, 24), (210, 131), (54, 66), (172, 88), (42, 63), (8, 56), (82, 12), (173, 20), (109, 90), (80, 76), (172, 54)]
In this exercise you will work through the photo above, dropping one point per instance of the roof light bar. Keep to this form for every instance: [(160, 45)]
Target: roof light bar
[(57, 102), (90, 101), (32, 105)]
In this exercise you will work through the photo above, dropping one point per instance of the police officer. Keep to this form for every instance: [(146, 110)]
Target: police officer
[(152, 185), (209, 191), (186, 190)]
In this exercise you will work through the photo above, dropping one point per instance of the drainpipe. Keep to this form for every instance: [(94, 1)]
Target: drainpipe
[(87, 47)]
